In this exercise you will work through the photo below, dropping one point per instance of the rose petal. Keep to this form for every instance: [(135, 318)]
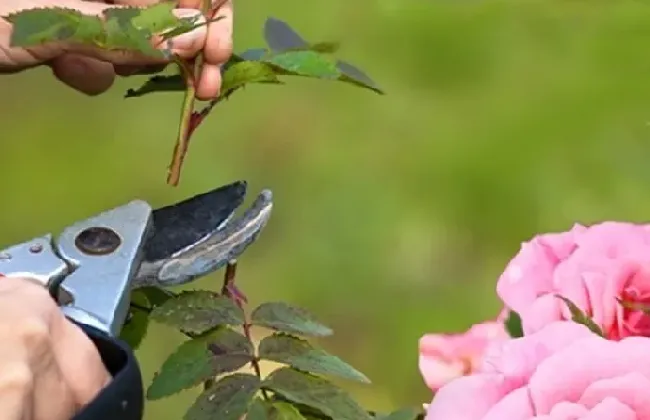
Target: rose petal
[(542, 312), (483, 391), (610, 409), (444, 357), (630, 389), (584, 362), (438, 345), (613, 239), (592, 266), (527, 276), (514, 406), (518, 358), (567, 411), (437, 373)]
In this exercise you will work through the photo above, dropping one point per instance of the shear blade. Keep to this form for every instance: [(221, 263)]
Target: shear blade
[(196, 237), (183, 224)]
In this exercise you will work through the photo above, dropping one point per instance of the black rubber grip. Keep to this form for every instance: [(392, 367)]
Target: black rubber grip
[(123, 398)]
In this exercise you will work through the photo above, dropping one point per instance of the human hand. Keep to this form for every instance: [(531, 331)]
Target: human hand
[(93, 71), (49, 368)]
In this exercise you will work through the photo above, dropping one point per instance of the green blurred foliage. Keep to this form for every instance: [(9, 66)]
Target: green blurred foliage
[(394, 215)]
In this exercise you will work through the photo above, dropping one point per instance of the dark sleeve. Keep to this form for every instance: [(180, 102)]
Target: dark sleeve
[(123, 398)]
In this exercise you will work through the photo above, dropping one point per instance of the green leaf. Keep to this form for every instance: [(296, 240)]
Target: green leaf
[(39, 26), (155, 296), (198, 311), (355, 76), (325, 47), (304, 63), (200, 359), (122, 34), (513, 325), (306, 411), (135, 329), (136, 326), (276, 410), (187, 25), (155, 19), (244, 72), (284, 411), (634, 306), (289, 319), (279, 36), (577, 315), (253, 54), (315, 392), (408, 413), (227, 399), (258, 410), (126, 16), (301, 355), (123, 28), (158, 83)]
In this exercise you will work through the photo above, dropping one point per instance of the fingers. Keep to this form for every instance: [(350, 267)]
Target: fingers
[(92, 70), (139, 3), (85, 74), (16, 391), (215, 40), (209, 83), (186, 45), (184, 4), (49, 383), (80, 364), (218, 46), (49, 369), (217, 51), (31, 385)]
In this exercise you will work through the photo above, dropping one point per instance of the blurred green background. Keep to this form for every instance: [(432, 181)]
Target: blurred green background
[(394, 215)]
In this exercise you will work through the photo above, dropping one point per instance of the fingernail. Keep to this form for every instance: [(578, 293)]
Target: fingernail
[(193, 40)]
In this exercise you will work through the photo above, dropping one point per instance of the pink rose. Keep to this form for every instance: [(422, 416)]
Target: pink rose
[(561, 372), (444, 357), (594, 267)]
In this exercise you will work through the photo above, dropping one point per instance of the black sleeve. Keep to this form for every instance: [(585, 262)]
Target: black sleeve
[(123, 398)]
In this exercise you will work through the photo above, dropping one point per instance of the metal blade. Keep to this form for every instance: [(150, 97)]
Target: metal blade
[(183, 224), (191, 246)]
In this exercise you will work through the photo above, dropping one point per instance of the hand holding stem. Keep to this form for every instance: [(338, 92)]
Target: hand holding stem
[(202, 74)]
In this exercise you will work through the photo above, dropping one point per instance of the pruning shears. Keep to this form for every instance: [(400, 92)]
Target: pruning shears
[(92, 266)]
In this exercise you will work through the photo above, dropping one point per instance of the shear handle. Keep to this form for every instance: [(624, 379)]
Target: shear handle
[(105, 251)]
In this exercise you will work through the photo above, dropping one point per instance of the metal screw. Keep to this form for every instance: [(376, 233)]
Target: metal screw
[(98, 241), (35, 248)]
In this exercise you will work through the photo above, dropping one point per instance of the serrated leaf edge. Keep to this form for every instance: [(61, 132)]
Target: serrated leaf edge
[(359, 377)]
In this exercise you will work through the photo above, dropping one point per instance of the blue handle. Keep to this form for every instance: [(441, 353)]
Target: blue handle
[(123, 398)]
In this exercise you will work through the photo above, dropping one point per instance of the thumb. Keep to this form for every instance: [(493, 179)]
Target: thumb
[(186, 45), (82, 73)]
